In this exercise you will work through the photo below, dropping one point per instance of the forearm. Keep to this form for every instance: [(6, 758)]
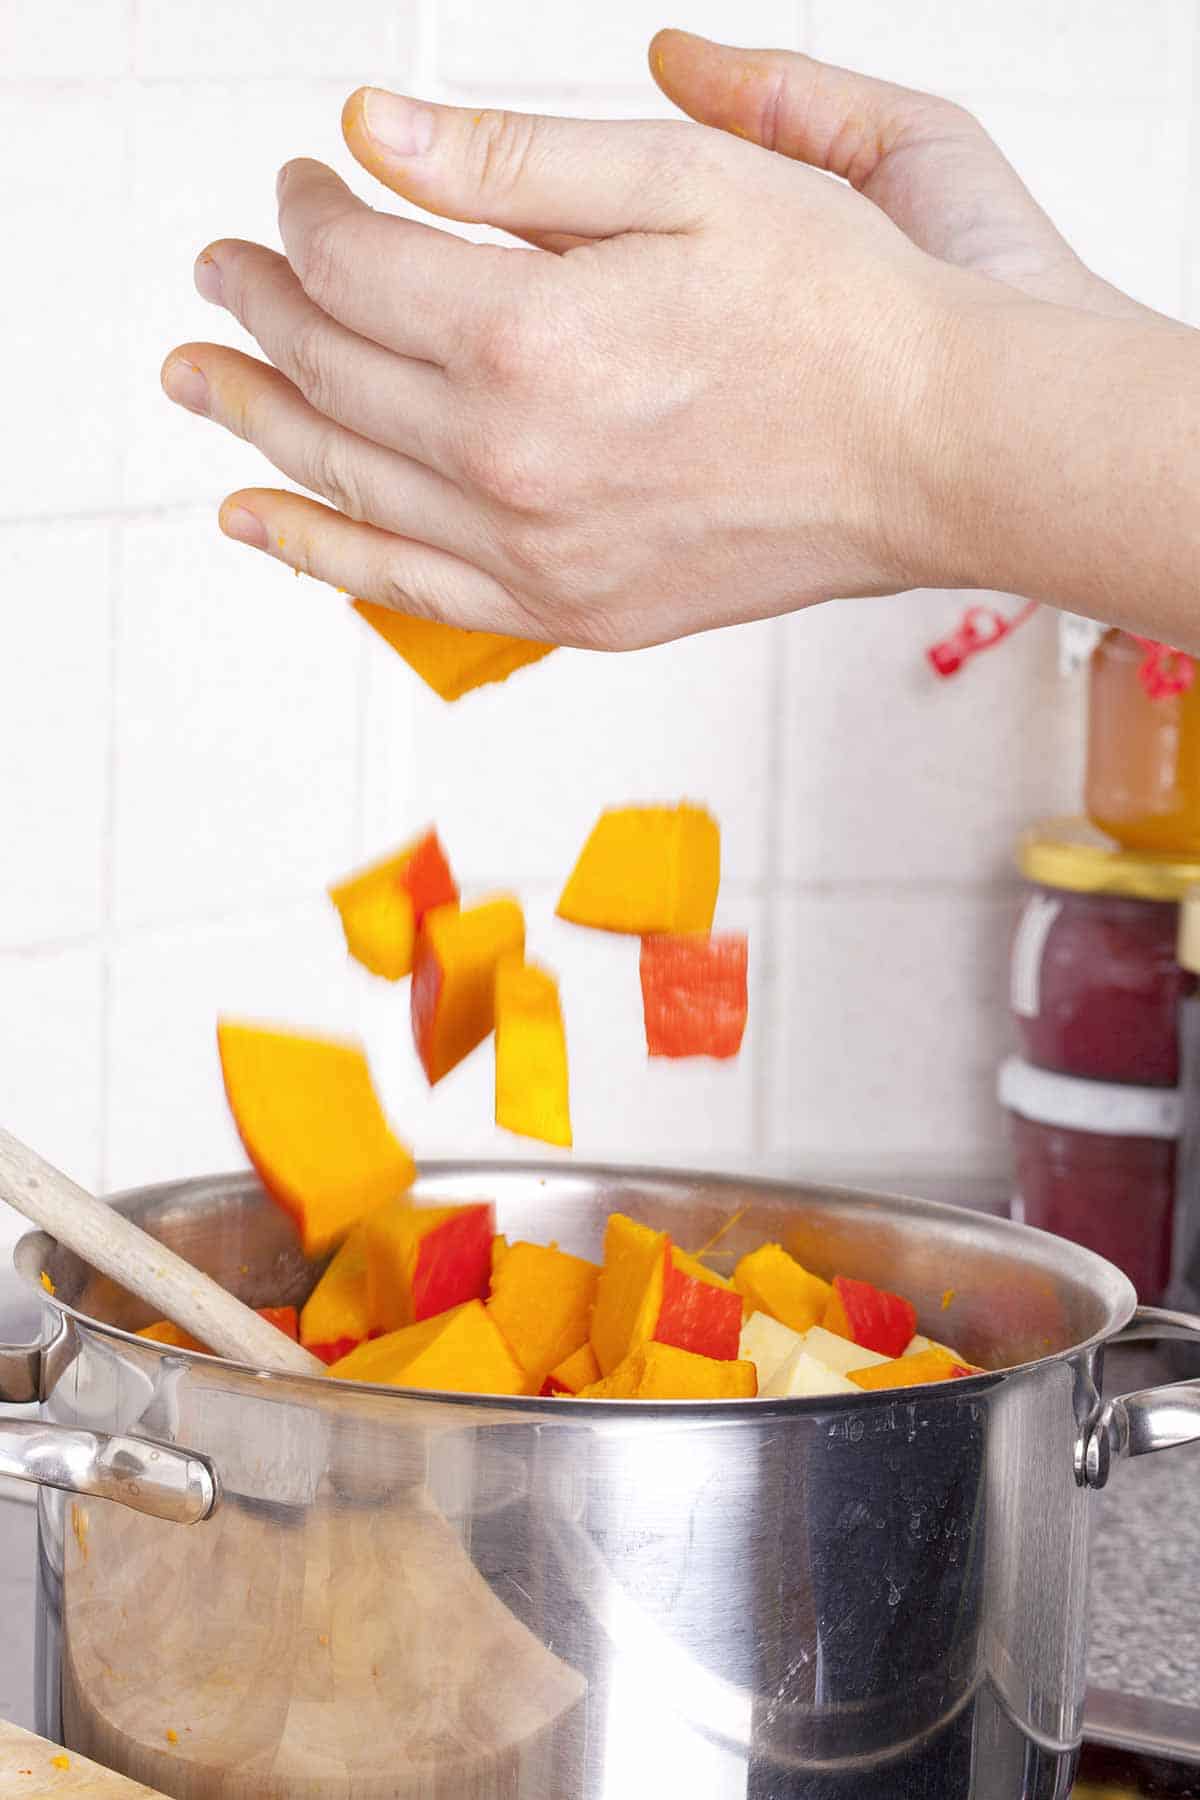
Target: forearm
[(1071, 464)]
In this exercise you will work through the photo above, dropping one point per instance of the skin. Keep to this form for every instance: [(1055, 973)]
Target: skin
[(711, 385)]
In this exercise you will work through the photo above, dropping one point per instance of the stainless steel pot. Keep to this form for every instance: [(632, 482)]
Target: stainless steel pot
[(263, 1585)]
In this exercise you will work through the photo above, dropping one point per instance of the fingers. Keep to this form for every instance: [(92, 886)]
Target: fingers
[(361, 479), (530, 174), (372, 564), (393, 400), (811, 111), (407, 286)]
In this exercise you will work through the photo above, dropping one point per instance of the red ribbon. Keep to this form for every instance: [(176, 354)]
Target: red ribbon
[(979, 629)]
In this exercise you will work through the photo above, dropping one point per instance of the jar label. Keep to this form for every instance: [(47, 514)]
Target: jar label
[(1025, 980)]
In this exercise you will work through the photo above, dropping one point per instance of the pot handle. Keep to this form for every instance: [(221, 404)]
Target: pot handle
[(1136, 1424), (158, 1479)]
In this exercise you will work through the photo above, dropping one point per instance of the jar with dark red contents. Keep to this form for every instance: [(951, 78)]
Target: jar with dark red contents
[(1096, 983), (1096, 1162)]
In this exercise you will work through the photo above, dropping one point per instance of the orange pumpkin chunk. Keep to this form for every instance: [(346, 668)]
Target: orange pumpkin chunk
[(650, 1290), (423, 1260), (447, 659), (542, 1301), (647, 869), (462, 1352), (694, 998), (334, 1317), (578, 1371), (454, 979), (164, 1332), (909, 1371), (774, 1282), (532, 1095), (382, 906), (307, 1112), (663, 1372)]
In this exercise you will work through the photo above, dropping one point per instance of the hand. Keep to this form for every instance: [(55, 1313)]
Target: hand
[(925, 162), (728, 402)]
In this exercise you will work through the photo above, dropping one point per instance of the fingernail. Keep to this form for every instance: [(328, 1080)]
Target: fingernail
[(400, 126), (237, 523), (186, 385), (207, 276)]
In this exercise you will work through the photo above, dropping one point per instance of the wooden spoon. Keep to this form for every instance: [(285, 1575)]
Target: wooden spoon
[(119, 1248)]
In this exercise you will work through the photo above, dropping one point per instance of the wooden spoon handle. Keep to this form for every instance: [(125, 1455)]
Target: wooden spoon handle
[(119, 1248)]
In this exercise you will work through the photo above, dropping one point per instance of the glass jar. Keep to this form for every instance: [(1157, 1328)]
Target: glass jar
[(1095, 1162), (1143, 746), (1096, 984)]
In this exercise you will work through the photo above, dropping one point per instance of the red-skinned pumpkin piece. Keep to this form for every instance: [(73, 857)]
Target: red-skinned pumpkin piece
[(694, 993), (870, 1316)]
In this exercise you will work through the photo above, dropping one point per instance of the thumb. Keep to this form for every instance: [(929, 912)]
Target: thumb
[(814, 112), (527, 173)]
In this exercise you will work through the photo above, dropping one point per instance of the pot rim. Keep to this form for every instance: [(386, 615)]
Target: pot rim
[(29, 1260)]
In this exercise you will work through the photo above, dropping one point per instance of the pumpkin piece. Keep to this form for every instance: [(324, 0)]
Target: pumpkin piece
[(650, 1289), (869, 1315), (334, 1317), (629, 1291), (664, 1372), (767, 1344), (542, 1301), (382, 906), (578, 1371), (909, 1371), (700, 1310), (424, 1260), (447, 659), (773, 1282), (454, 979), (694, 997), (311, 1123), (646, 869), (462, 1352), (499, 1252), (164, 1332), (532, 1097)]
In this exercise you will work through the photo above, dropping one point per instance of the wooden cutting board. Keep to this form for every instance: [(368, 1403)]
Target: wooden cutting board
[(27, 1768)]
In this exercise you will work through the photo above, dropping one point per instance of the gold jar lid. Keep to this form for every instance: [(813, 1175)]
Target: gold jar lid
[(1071, 854)]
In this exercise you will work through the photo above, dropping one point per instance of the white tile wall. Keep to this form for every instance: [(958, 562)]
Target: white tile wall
[(192, 742)]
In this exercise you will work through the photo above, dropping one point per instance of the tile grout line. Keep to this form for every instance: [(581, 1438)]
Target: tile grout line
[(766, 985)]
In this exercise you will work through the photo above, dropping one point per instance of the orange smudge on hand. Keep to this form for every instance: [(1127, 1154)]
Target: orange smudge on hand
[(60, 1762), (172, 1735), (947, 1297)]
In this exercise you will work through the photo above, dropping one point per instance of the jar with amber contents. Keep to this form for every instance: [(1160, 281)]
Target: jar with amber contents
[(1143, 756)]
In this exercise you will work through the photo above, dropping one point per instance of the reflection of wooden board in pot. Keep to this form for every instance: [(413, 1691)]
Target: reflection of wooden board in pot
[(27, 1767), (355, 1655)]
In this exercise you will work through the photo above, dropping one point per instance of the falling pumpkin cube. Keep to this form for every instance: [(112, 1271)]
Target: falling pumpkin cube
[(382, 906), (532, 1095), (462, 1352), (423, 1260), (646, 869), (447, 659), (694, 997), (454, 979), (311, 1123)]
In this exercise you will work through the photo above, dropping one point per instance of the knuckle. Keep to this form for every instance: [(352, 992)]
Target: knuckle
[(310, 365), (513, 471), (321, 262), (502, 146), (332, 475)]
